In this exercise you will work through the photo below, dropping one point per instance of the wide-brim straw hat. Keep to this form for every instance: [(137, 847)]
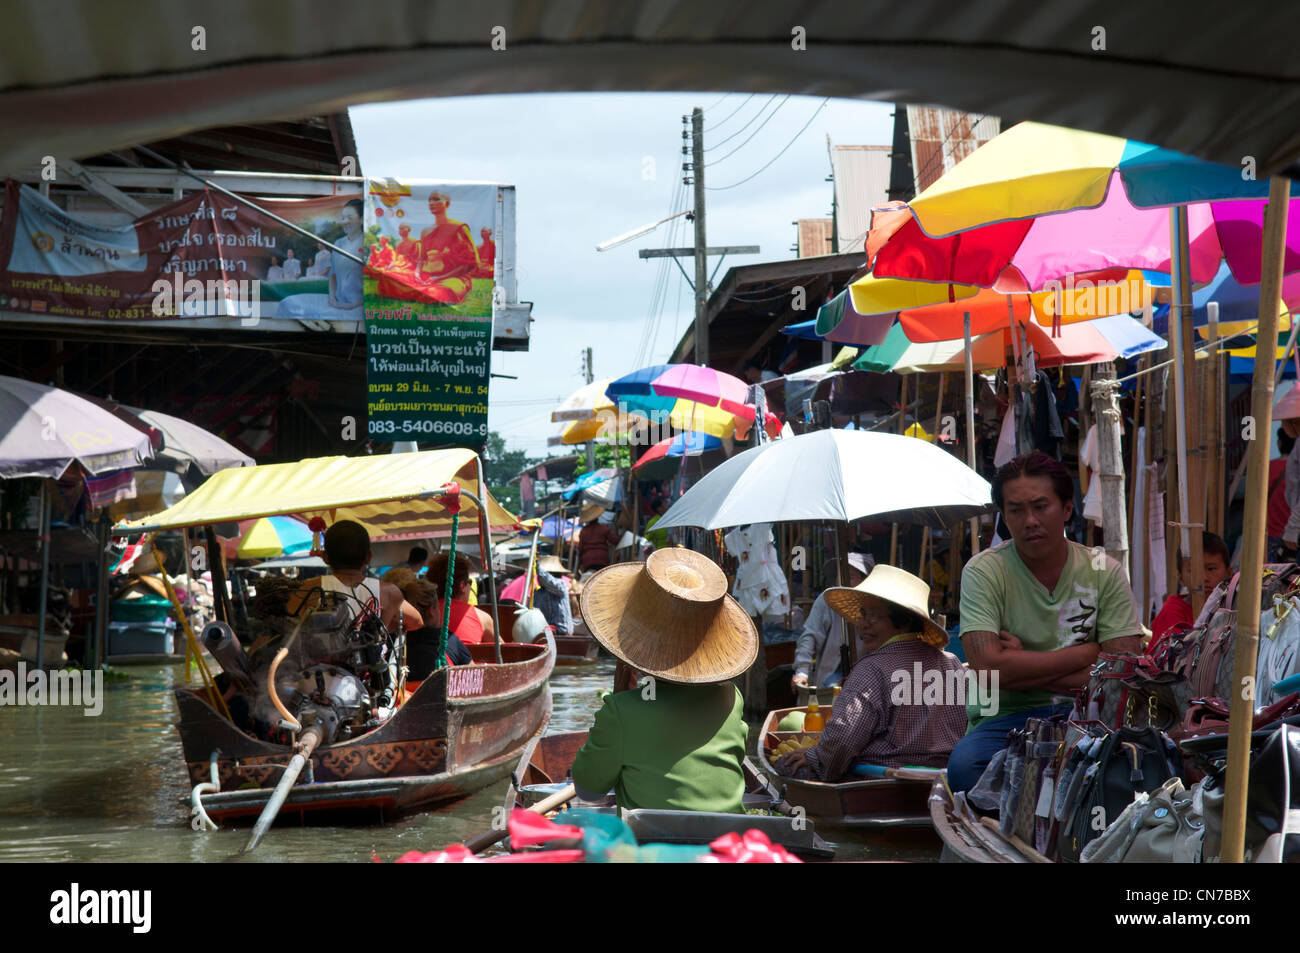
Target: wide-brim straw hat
[(1289, 406), (592, 511), (552, 564), (670, 617), (895, 586)]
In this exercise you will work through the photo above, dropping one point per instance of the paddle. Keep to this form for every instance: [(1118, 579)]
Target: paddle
[(310, 739), (488, 838)]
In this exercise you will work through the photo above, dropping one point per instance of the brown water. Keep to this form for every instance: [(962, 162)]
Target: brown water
[(113, 788)]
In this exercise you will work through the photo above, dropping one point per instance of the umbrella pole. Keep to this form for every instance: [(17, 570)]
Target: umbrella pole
[(1180, 329), (1252, 548), (970, 425), (485, 551), (1134, 465), (101, 593), (902, 427), (1210, 415), (44, 587), (1085, 424)]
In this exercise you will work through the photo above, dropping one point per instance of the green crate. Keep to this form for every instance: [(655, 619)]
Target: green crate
[(148, 609)]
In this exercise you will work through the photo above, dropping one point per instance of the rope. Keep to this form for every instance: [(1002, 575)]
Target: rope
[(446, 601)]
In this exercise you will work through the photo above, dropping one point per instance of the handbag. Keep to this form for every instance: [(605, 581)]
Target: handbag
[(1130, 760), (1165, 826), (1279, 645), (1133, 690), (1273, 798)]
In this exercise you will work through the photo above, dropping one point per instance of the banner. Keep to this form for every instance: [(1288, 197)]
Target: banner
[(428, 302), (202, 256)]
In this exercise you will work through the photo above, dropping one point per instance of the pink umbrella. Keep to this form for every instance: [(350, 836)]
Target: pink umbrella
[(1030, 253), (706, 386)]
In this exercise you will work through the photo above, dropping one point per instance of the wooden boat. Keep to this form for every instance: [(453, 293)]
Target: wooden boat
[(971, 839), (884, 805), (463, 729), (545, 768), (575, 649)]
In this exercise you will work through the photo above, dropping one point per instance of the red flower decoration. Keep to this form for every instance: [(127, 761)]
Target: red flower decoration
[(316, 524)]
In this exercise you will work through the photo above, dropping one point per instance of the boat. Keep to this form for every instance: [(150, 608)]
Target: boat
[(460, 730), (545, 768), (895, 804), (575, 649), (969, 838)]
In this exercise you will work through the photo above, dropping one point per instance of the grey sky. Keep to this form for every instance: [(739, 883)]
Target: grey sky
[(579, 162)]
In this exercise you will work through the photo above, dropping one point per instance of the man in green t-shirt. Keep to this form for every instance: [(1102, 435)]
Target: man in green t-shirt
[(1035, 612)]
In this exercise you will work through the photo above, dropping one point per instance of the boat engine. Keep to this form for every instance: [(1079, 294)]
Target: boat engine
[(330, 697)]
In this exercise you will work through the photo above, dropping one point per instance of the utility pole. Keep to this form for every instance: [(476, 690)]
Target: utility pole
[(701, 244), (591, 377)]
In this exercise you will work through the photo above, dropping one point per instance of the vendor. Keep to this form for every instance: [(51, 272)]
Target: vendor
[(878, 718), (348, 553), (422, 642), (597, 540), (552, 595), (1035, 612), (677, 741), (820, 641)]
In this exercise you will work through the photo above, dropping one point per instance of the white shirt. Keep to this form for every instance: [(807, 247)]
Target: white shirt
[(821, 639)]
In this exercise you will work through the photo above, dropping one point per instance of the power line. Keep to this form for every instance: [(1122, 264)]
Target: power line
[(751, 135), (715, 105), (744, 127), (723, 188), (732, 113)]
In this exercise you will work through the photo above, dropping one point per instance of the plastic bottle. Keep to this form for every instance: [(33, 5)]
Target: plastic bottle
[(813, 721)]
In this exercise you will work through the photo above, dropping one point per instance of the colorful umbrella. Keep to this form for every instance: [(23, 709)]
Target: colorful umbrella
[(710, 403), (270, 536), (1103, 339), (705, 386), (687, 444), (1040, 203)]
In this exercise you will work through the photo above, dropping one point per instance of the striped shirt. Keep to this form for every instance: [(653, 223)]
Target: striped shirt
[(867, 726)]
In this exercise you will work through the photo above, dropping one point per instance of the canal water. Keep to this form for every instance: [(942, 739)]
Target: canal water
[(113, 788)]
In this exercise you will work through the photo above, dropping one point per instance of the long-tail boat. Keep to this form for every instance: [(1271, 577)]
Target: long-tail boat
[(461, 729), (894, 802)]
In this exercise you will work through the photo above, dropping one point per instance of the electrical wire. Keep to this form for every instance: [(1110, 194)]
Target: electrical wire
[(751, 121), (938, 154), (730, 114), (751, 135), (723, 188)]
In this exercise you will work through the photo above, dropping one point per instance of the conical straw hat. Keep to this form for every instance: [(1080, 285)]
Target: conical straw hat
[(895, 586), (591, 511), (552, 564), (670, 617)]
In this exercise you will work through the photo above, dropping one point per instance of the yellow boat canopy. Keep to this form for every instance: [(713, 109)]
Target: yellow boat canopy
[(388, 494)]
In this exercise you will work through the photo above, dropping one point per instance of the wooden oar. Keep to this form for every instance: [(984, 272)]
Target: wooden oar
[(488, 838), (310, 739)]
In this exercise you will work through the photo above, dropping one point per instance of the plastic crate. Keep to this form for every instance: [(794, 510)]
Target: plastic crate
[(147, 609), (142, 638)]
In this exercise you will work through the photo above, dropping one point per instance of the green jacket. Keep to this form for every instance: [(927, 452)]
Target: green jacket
[(669, 747)]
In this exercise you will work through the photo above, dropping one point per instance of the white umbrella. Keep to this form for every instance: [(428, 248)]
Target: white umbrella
[(834, 475), (185, 443)]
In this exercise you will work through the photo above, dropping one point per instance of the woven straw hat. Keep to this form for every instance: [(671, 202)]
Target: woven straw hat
[(670, 617), (591, 511), (895, 586), (552, 565), (1288, 406)]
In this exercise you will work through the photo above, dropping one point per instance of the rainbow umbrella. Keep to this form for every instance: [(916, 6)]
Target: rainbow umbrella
[(271, 536), (686, 401), (1040, 203), (688, 444)]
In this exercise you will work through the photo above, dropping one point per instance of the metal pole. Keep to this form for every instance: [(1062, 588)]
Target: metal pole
[(1181, 409), (970, 425), (701, 243), (1193, 459), (44, 587), (1252, 544), (244, 201), (101, 593)]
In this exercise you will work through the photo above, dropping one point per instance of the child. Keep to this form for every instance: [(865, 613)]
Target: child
[(1176, 614)]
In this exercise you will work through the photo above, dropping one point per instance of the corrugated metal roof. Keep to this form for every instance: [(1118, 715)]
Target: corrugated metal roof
[(814, 237), (942, 137), (861, 181)]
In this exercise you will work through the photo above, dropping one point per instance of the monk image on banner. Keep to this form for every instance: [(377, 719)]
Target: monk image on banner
[(408, 250), (487, 255), (448, 260)]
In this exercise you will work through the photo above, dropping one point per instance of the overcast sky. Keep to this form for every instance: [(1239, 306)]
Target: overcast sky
[(591, 166)]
